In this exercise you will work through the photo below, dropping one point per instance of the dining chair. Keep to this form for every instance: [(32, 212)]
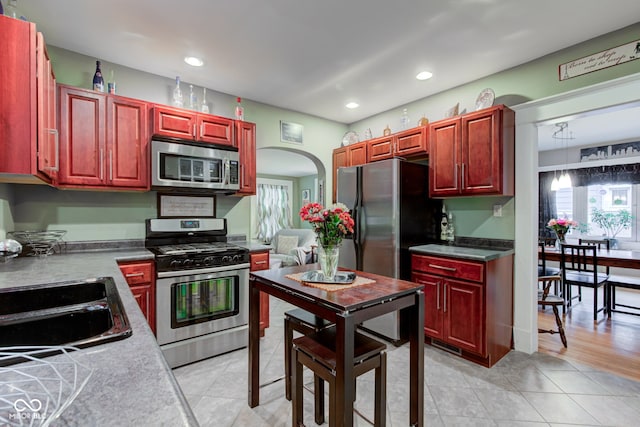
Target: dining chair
[(547, 299), (579, 267), (543, 269), (599, 243)]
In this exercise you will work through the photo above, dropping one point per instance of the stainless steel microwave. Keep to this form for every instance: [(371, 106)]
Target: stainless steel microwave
[(181, 166)]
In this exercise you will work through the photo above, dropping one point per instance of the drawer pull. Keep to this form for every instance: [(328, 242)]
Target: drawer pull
[(441, 267), (134, 274), (260, 262)]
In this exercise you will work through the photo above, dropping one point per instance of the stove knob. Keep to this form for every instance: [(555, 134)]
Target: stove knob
[(236, 258), (175, 263), (208, 260), (226, 259), (187, 262)]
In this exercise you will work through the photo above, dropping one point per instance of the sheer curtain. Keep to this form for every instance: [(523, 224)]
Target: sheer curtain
[(274, 210)]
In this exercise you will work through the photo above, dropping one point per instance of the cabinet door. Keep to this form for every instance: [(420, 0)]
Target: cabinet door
[(380, 148), (245, 136), (411, 142), (82, 137), (433, 326), (144, 296), (357, 154), (18, 111), (126, 154), (482, 153), (47, 113), (444, 153), (463, 310), (216, 130), (174, 122), (340, 160)]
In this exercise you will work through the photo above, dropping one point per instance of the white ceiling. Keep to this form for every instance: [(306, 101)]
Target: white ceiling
[(315, 56)]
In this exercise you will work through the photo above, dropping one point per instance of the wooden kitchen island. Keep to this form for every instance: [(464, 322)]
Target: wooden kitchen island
[(347, 308)]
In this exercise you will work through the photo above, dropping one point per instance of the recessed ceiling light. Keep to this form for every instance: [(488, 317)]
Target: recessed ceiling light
[(424, 75), (193, 61), (352, 105)]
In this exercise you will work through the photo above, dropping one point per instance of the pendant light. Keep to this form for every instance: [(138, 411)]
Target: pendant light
[(563, 134)]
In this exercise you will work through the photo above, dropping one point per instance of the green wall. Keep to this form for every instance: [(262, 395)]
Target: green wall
[(107, 215)]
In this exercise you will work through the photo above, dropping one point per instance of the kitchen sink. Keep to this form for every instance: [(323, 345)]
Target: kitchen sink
[(77, 314)]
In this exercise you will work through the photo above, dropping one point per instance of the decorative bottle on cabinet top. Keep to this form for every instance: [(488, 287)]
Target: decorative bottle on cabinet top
[(193, 99), (404, 119), (98, 81), (177, 94), (205, 107), (239, 109)]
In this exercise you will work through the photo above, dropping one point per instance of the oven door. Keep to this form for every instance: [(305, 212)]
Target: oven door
[(191, 305)]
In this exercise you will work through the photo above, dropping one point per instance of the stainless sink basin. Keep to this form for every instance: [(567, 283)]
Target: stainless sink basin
[(79, 314)]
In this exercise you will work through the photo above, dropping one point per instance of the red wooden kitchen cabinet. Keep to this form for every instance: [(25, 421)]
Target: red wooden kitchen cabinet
[(351, 155), (473, 154), (245, 140), (141, 279), (192, 126), (28, 125), (468, 305), (260, 261), (103, 141), (408, 143)]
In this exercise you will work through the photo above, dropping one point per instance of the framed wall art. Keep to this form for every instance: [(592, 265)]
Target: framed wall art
[(291, 132)]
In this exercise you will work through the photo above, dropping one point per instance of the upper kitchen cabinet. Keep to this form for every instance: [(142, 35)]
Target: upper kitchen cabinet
[(351, 155), (28, 133), (408, 143), (245, 141), (192, 126), (103, 141), (473, 154)]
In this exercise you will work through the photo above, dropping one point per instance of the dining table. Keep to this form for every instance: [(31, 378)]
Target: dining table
[(622, 258), (347, 306)]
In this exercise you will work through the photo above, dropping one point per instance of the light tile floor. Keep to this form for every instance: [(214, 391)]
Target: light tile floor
[(520, 390)]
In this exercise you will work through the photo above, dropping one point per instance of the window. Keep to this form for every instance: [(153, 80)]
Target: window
[(578, 204)]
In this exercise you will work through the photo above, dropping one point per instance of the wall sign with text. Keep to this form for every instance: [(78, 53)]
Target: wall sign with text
[(598, 61), (291, 132)]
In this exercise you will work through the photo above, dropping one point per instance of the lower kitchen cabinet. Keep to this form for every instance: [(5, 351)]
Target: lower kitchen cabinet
[(140, 277), (468, 305), (260, 261)]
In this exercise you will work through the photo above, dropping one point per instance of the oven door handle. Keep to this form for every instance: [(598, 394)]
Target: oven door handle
[(207, 270)]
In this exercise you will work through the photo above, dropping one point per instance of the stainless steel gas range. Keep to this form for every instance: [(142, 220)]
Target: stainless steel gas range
[(202, 301)]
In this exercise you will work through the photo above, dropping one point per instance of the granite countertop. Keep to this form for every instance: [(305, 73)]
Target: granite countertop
[(463, 252), (131, 383)]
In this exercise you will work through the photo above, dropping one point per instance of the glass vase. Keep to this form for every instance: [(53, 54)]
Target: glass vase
[(560, 238), (328, 259)]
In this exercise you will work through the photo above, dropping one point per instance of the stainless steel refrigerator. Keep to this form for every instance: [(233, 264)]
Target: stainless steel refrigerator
[(389, 201)]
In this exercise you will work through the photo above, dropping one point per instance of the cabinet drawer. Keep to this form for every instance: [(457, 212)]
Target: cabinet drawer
[(138, 272), (455, 268), (259, 261)]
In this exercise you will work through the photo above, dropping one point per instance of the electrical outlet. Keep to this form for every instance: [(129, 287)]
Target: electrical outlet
[(497, 210)]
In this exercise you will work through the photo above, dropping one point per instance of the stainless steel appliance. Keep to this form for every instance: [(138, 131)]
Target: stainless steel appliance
[(191, 166), (390, 204), (202, 299)]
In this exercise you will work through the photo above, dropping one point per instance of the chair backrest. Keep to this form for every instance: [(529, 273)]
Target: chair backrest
[(547, 241), (578, 259), (599, 243), (542, 258), (547, 281)]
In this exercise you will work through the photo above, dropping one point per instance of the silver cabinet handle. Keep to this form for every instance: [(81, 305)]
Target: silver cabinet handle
[(438, 296), (101, 163), (134, 274), (445, 297), (201, 128), (110, 165), (462, 176), (442, 267), (194, 131), (260, 262), (54, 132)]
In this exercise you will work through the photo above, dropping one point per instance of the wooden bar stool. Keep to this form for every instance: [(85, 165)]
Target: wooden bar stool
[(317, 351), (305, 323)]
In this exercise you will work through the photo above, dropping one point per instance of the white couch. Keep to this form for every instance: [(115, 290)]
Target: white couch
[(291, 246)]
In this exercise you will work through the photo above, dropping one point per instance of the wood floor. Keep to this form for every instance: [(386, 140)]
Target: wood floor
[(609, 344)]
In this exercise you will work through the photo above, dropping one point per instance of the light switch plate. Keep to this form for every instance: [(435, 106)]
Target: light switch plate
[(497, 210)]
